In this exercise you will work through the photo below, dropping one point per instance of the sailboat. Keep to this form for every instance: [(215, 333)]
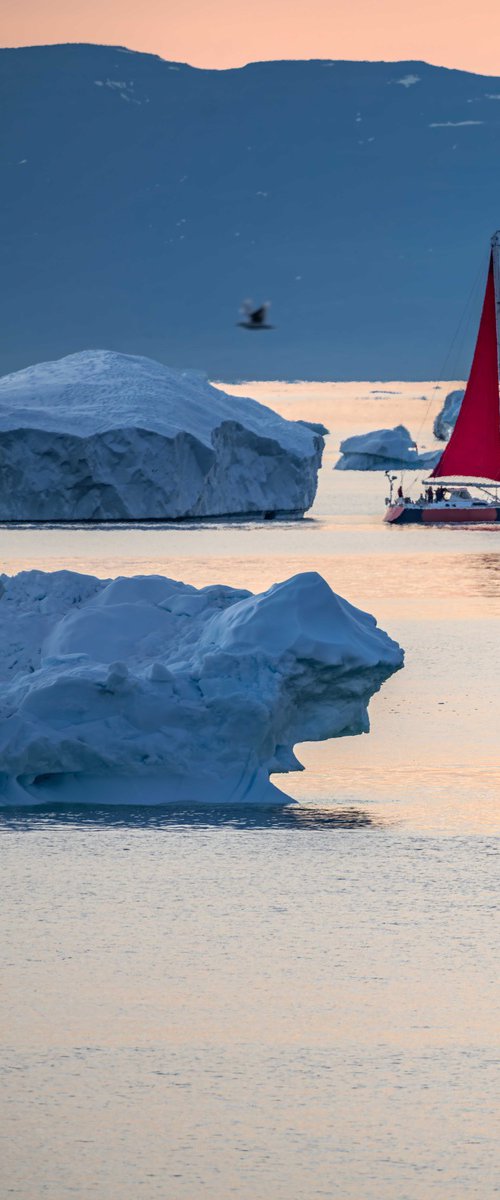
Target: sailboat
[(471, 458)]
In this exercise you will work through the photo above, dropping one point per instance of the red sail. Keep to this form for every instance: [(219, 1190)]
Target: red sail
[(474, 447)]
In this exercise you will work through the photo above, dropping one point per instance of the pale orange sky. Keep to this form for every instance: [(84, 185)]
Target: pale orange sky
[(227, 33)]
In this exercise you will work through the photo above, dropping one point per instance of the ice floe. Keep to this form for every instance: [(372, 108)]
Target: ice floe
[(106, 436), (383, 450), (146, 690), (446, 418)]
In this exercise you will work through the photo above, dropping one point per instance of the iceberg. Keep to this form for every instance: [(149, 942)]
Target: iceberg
[(146, 690), (446, 418), (383, 450), (102, 436)]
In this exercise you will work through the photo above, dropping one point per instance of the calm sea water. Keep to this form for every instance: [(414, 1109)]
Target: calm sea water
[(298, 1003)]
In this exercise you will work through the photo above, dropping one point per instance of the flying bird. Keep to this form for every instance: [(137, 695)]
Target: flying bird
[(255, 318)]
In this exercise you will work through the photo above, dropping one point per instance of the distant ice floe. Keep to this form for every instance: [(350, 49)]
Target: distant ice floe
[(106, 436), (446, 418), (316, 426), (383, 450), (145, 690)]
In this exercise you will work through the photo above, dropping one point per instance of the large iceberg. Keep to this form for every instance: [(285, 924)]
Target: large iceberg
[(446, 419), (383, 450), (146, 690), (106, 436)]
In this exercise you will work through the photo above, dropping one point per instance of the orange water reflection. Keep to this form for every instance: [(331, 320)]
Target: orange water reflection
[(433, 744), (244, 1005)]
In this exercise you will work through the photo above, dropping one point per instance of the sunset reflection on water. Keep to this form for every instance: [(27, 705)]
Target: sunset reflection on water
[(432, 751), (298, 1002)]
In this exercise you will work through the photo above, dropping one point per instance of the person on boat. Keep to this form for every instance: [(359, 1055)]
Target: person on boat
[(439, 494), (430, 496), (400, 492)]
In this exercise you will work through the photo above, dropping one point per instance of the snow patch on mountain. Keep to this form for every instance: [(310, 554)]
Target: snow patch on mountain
[(408, 80), (452, 124)]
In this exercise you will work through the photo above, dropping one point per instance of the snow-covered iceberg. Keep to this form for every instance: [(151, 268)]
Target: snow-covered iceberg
[(106, 436), (383, 450), (446, 418), (146, 690)]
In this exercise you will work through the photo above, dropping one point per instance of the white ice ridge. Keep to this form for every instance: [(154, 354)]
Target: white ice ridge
[(447, 417), (146, 690), (106, 436), (383, 450)]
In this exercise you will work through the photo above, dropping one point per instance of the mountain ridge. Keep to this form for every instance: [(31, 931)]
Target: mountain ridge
[(386, 62)]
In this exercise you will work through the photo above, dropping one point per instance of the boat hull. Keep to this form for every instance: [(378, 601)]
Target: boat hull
[(449, 514)]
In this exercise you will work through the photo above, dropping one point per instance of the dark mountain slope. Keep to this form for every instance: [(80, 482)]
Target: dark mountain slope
[(143, 200)]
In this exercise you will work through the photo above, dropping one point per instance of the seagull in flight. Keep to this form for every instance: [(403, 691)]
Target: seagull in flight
[(255, 318)]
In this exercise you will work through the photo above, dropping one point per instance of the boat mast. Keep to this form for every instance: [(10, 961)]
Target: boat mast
[(495, 254)]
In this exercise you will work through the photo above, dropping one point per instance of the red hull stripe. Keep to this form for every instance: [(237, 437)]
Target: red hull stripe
[(400, 515), (464, 516)]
